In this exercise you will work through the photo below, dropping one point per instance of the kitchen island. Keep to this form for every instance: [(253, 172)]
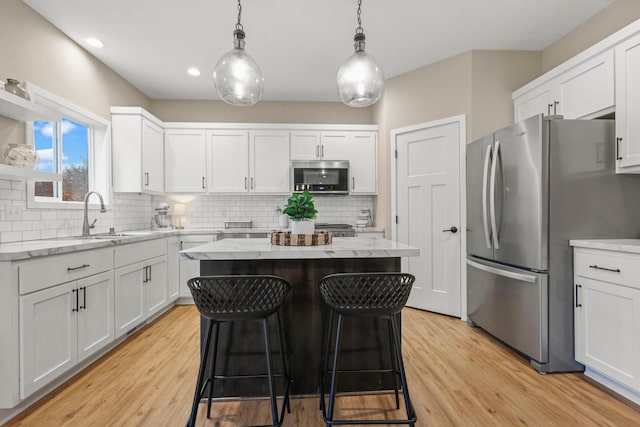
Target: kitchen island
[(304, 313)]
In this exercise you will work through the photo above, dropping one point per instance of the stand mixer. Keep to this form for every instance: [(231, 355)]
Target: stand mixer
[(161, 217)]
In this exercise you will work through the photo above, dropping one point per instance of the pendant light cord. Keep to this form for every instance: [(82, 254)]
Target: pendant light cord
[(359, 30), (239, 25)]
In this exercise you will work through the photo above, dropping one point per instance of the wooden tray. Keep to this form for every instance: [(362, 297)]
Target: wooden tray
[(285, 238)]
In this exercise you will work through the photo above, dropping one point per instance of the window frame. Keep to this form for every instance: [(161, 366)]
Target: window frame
[(98, 150)]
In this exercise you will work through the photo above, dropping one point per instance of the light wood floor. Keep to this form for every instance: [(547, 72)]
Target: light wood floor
[(458, 376)]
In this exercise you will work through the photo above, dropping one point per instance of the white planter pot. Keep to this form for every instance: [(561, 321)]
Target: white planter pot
[(302, 227)]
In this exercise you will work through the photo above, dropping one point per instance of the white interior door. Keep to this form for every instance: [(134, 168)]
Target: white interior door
[(428, 167)]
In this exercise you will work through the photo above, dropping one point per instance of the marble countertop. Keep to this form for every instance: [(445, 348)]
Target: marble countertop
[(341, 247), (620, 245)]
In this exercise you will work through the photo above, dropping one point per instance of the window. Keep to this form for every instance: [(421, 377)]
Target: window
[(63, 148), (77, 147)]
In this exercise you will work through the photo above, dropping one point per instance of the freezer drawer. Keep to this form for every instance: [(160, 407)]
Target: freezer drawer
[(510, 304)]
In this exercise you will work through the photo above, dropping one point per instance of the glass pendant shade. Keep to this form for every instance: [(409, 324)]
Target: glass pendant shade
[(237, 77), (361, 78)]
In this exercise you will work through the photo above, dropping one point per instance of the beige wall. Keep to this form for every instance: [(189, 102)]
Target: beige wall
[(605, 23), (262, 112), (33, 50)]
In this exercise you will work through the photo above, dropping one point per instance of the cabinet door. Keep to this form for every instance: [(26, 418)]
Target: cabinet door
[(334, 145), (362, 163), (155, 285), (228, 161), (173, 269), (305, 145), (126, 151), (129, 298), (95, 313), (588, 89), (628, 105), (185, 160), (607, 329), (269, 162), (152, 157), (48, 338), (190, 268), (537, 101)]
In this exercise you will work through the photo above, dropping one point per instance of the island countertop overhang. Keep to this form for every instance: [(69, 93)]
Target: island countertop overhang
[(341, 247)]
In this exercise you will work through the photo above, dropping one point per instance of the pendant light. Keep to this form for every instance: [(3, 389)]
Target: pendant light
[(360, 78), (237, 76)]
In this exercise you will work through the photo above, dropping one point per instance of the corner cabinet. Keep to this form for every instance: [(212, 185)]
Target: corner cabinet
[(185, 163), (607, 318), (628, 106), (248, 161), (137, 150)]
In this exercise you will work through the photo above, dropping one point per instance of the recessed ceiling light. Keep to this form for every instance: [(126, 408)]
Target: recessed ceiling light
[(193, 71), (92, 41)]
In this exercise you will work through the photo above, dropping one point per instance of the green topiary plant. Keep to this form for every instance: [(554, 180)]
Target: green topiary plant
[(300, 206)]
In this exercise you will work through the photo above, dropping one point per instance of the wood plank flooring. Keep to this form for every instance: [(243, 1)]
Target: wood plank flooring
[(458, 376)]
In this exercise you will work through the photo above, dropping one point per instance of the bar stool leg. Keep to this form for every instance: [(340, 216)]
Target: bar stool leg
[(285, 370), (403, 377), (212, 374), (334, 373), (394, 363), (203, 363), (272, 389), (325, 360)]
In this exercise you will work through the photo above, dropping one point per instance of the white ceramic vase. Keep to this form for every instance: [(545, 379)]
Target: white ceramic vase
[(302, 227)]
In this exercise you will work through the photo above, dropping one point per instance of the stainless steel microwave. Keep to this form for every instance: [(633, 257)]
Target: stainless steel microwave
[(320, 176)]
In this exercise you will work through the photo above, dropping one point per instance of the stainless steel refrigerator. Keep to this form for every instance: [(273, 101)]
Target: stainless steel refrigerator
[(531, 187)]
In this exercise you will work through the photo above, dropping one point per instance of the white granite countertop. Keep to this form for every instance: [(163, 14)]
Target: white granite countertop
[(341, 247), (620, 245)]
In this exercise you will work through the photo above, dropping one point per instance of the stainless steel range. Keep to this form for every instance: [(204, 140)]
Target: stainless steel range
[(338, 230)]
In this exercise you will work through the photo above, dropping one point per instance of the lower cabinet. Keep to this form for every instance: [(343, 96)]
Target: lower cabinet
[(173, 269), (190, 268), (63, 325), (140, 292), (607, 317)]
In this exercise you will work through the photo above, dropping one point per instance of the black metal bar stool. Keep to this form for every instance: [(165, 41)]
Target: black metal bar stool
[(377, 295), (233, 298)]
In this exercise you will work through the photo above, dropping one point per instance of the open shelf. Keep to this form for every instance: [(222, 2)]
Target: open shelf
[(17, 108), (20, 174)]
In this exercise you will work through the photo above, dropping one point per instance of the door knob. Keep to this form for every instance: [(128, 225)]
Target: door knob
[(453, 229)]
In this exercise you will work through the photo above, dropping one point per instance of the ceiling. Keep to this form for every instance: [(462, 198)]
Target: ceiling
[(300, 44)]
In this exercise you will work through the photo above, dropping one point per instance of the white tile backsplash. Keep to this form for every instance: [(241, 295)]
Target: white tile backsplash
[(132, 211)]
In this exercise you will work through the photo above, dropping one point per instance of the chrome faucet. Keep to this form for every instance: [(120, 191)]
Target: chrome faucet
[(85, 225)]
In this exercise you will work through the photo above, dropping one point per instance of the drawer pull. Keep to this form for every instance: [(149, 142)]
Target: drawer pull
[(78, 268), (75, 292), (577, 286), (615, 270)]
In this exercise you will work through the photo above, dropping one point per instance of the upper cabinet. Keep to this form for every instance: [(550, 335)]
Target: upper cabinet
[(185, 160), (581, 92), (316, 145), (248, 161), (138, 151), (362, 163), (628, 106)]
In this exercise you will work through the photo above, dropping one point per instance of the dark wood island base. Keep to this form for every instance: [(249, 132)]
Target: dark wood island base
[(304, 316)]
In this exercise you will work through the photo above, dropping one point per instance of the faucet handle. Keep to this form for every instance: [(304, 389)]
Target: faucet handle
[(93, 224)]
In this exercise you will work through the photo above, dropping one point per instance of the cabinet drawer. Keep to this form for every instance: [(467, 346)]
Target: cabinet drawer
[(613, 267), (138, 252), (44, 272)]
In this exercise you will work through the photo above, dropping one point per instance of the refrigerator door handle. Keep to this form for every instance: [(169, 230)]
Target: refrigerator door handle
[(492, 196), (505, 273), (485, 178)]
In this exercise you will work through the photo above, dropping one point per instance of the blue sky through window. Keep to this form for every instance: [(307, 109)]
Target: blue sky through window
[(74, 144)]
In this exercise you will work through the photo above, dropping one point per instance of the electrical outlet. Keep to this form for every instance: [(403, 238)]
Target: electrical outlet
[(13, 213)]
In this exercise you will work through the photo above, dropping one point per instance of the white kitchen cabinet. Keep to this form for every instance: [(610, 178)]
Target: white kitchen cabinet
[(185, 163), (173, 269), (190, 268), (248, 161), (362, 163), (140, 283), (628, 106), (137, 151), (607, 317), (316, 145), (583, 91), (63, 325)]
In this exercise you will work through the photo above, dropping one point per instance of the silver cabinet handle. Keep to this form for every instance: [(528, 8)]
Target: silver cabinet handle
[(597, 267), (245, 183), (317, 151), (203, 182), (353, 183), (252, 183), (485, 177), (618, 156), (492, 197)]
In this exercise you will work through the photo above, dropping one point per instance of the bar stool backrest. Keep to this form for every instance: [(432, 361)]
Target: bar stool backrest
[(367, 293), (237, 297)]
